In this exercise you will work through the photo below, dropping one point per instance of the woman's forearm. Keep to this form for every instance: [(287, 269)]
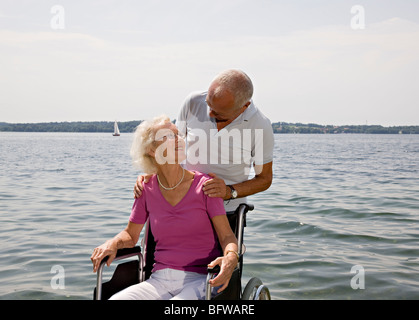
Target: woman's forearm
[(225, 235), (227, 262), (123, 240), (229, 244)]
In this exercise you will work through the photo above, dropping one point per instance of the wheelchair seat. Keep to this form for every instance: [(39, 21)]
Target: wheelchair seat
[(136, 271)]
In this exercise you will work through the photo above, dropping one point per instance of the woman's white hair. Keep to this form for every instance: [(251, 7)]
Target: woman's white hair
[(141, 145)]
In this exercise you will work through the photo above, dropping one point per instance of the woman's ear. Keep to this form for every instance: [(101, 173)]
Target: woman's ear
[(151, 152)]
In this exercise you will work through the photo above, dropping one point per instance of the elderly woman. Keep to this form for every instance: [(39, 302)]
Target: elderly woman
[(185, 222)]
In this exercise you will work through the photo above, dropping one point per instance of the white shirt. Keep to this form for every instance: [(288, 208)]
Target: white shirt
[(230, 152)]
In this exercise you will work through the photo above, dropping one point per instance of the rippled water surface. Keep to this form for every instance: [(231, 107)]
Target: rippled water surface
[(337, 201)]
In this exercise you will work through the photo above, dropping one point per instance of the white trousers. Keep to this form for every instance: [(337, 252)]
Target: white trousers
[(166, 284)]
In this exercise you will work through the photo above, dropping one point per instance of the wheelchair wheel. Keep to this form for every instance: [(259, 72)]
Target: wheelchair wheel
[(255, 290)]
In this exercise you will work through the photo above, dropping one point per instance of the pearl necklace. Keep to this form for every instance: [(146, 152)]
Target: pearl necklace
[(165, 188)]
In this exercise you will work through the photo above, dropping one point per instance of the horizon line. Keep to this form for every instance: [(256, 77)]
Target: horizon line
[(272, 122)]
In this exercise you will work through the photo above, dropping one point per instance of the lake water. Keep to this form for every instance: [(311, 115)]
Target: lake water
[(337, 202)]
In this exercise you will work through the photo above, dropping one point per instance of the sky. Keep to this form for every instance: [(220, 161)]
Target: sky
[(331, 62)]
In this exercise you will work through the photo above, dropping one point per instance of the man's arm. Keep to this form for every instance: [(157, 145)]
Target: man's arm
[(216, 187), (259, 183)]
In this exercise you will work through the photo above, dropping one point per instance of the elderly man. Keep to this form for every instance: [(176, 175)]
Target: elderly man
[(226, 135)]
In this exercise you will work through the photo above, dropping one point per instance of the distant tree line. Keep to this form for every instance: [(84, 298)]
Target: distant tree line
[(283, 127), (129, 126), (97, 126)]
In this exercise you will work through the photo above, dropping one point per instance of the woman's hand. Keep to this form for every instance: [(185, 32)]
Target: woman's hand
[(109, 248), (138, 188), (227, 265)]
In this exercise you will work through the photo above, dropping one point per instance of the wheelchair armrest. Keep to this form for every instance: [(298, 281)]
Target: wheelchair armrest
[(215, 269), (125, 253), (210, 275), (120, 255)]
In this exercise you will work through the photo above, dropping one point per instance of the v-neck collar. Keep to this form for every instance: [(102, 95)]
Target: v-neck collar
[(185, 196)]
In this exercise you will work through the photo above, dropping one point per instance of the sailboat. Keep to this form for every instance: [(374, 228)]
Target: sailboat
[(116, 130)]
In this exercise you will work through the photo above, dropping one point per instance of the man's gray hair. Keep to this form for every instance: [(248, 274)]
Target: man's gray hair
[(237, 83)]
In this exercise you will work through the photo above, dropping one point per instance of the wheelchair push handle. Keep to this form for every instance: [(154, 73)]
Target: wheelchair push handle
[(250, 207), (245, 207)]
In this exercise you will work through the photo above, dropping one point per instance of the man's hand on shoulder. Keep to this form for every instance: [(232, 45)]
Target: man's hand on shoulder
[(216, 188), (138, 188)]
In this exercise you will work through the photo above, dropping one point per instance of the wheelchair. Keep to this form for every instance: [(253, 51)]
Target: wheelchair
[(139, 269)]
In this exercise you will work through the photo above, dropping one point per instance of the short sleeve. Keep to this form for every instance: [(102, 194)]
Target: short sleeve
[(181, 120), (264, 144), (215, 207), (139, 214), (268, 142)]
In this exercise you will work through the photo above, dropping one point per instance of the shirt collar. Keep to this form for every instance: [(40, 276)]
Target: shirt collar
[(249, 112), (246, 115)]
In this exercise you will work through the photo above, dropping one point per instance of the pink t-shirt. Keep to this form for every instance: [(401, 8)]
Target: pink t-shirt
[(184, 235)]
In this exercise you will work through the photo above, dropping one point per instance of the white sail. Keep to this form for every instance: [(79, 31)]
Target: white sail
[(116, 129)]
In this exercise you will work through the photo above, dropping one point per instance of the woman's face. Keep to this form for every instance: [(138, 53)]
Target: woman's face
[(169, 145)]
